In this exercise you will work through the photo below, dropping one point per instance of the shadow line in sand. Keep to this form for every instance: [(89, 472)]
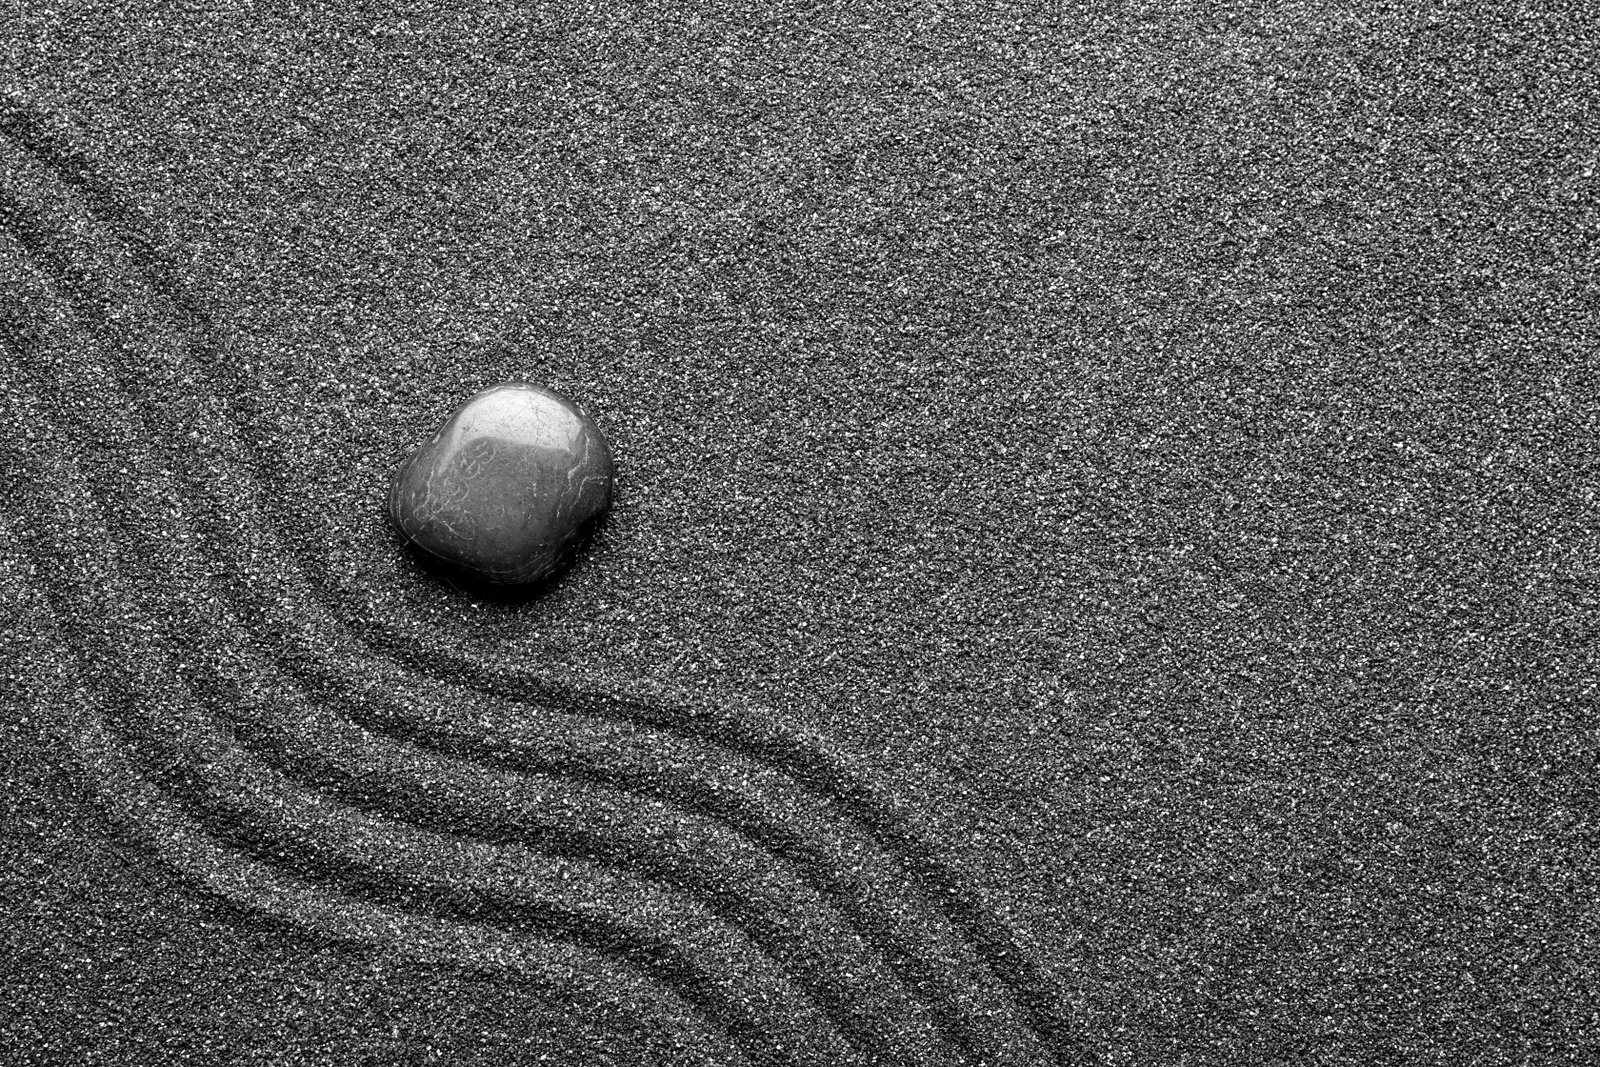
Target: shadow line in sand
[(374, 787)]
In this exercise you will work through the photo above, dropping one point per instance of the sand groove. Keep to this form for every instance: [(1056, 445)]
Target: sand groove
[(332, 771)]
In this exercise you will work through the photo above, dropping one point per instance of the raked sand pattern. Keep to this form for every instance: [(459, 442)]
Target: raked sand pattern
[(708, 862)]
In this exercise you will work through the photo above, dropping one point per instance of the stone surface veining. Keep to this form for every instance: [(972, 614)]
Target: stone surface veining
[(504, 488)]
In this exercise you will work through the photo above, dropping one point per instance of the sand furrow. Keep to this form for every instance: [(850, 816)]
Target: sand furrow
[(717, 805)]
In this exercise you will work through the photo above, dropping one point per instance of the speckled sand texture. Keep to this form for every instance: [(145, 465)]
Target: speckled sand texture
[(1103, 570)]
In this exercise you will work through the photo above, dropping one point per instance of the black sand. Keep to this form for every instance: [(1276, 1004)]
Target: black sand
[(1105, 558)]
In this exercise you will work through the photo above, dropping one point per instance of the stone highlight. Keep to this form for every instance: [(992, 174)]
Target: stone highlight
[(505, 487)]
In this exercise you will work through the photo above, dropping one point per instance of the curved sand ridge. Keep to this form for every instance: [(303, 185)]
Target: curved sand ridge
[(696, 857)]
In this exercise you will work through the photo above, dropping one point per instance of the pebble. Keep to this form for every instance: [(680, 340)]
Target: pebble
[(504, 489)]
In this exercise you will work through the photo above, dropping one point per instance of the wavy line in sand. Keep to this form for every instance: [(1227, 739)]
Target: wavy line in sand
[(612, 775)]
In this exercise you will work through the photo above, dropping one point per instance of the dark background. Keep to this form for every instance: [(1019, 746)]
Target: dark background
[(1163, 437)]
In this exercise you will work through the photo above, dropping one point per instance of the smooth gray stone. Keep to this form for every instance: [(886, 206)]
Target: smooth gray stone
[(504, 488)]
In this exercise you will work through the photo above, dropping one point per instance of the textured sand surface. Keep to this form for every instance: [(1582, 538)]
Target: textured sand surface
[(1104, 566)]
